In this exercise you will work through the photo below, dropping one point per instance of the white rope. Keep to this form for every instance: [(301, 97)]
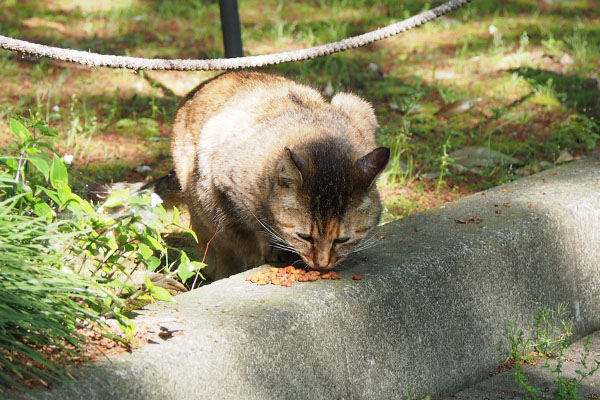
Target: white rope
[(136, 63)]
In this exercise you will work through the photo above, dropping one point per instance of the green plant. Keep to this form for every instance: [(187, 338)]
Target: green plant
[(83, 126), (568, 388), (399, 146), (43, 308), (549, 340), (445, 160), (520, 346), (578, 132), (523, 42), (66, 264), (577, 42)]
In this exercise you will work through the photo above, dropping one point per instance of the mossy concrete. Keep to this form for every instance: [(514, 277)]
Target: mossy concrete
[(437, 294)]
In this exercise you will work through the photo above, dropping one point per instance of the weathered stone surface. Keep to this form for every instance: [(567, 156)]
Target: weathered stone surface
[(474, 158), (503, 385), (436, 297)]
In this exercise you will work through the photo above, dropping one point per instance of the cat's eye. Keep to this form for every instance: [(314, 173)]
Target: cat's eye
[(340, 240), (306, 237)]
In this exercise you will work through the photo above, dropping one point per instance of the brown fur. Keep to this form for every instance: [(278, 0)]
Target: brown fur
[(258, 155)]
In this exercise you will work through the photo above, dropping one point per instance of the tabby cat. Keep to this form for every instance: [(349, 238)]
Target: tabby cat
[(268, 168)]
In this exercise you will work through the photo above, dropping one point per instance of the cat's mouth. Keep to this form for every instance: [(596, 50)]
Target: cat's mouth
[(321, 269), (308, 264)]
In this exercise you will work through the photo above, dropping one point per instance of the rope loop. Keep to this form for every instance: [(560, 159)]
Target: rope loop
[(136, 63)]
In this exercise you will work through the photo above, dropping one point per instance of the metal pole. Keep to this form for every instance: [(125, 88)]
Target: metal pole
[(232, 32)]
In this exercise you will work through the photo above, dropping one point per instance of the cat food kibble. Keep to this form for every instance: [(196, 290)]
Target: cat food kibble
[(288, 275)]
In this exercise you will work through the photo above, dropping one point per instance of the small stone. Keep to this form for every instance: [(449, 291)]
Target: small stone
[(566, 60), (377, 71), (328, 89), (524, 171), (471, 158), (457, 107), (564, 157), (441, 75)]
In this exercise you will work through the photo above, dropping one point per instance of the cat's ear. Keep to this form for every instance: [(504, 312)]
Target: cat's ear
[(291, 169), (370, 165), (359, 110)]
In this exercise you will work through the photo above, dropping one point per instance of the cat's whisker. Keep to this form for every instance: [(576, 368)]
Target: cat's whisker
[(282, 246), (272, 237), (285, 249), (266, 226), (369, 240), (299, 261), (360, 249), (366, 244)]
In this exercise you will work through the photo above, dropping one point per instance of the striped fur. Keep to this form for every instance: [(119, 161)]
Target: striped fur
[(269, 168)]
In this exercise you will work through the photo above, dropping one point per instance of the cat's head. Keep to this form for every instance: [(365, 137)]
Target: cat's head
[(324, 200)]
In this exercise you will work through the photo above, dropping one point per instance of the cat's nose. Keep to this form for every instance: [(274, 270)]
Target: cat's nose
[(321, 260)]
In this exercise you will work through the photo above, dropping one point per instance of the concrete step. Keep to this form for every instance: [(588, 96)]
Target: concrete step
[(437, 294), (504, 387)]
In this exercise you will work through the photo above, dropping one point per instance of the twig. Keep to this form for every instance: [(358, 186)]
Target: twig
[(206, 252)]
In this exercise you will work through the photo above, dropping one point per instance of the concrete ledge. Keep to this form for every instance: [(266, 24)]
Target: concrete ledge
[(433, 305), (503, 386)]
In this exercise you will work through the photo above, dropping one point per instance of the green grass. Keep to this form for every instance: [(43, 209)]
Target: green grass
[(535, 72), (41, 306), (548, 341)]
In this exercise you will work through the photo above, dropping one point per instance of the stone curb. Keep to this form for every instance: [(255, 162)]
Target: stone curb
[(503, 386), (437, 295)]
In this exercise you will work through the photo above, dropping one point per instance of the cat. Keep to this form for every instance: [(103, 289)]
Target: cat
[(269, 169)]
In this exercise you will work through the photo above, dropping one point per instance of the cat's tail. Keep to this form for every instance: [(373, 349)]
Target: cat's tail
[(166, 187)]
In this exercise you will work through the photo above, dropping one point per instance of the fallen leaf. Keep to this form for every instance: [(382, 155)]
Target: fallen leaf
[(474, 219)]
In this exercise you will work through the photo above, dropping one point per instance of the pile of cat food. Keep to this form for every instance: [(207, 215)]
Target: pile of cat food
[(288, 275)]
